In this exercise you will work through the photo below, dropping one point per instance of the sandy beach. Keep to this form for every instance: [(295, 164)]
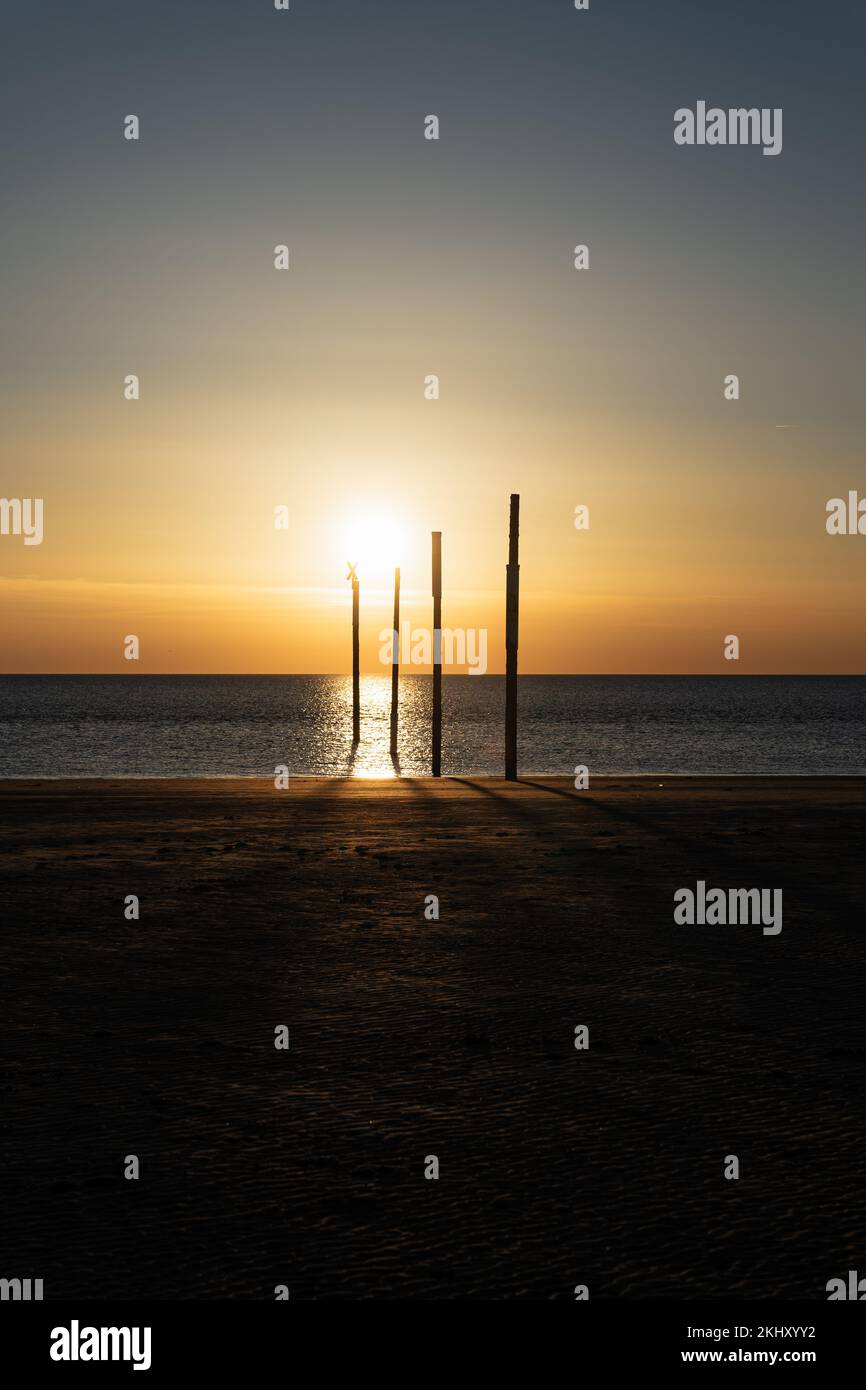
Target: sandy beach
[(412, 1037)]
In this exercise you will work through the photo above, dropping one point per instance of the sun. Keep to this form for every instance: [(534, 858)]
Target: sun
[(375, 542)]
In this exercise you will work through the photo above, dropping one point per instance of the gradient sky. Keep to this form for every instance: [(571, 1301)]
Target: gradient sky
[(411, 257)]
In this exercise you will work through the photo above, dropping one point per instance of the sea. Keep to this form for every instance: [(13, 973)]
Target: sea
[(248, 726)]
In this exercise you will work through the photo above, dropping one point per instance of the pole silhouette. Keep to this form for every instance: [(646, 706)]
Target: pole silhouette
[(512, 609), (356, 662), (395, 663), (437, 653)]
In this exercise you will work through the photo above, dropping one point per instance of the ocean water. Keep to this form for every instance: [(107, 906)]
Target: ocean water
[(214, 726)]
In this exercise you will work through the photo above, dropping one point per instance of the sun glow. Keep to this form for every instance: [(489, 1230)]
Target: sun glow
[(375, 542)]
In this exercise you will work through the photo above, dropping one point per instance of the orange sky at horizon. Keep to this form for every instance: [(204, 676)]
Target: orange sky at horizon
[(202, 630), (629, 600), (191, 562)]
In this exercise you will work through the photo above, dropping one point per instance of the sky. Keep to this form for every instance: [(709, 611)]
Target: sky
[(305, 388)]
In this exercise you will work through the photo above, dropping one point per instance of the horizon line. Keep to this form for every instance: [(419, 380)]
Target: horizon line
[(426, 675)]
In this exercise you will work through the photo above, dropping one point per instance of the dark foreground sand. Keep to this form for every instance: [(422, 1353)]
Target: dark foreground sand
[(411, 1038)]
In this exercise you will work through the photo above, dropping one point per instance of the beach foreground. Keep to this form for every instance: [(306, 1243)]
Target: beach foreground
[(412, 1037)]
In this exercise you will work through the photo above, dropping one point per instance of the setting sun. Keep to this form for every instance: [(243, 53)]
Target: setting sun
[(375, 541)]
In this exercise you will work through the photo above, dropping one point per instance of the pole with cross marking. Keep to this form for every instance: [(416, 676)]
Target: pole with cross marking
[(356, 660), (395, 663)]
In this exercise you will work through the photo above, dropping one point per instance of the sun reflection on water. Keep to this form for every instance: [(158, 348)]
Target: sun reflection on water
[(372, 756)]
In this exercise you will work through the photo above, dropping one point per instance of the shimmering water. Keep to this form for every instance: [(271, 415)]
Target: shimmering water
[(183, 726)]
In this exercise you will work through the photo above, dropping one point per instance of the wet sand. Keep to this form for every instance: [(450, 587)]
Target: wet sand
[(411, 1038)]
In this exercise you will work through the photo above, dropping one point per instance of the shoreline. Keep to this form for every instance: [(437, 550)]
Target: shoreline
[(598, 781)]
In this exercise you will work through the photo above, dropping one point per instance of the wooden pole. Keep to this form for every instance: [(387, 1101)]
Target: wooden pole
[(512, 608), (395, 663), (437, 653), (356, 663)]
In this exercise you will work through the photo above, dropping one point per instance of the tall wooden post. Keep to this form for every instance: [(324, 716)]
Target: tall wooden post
[(356, 664), (512, 608), (395, 663), (437, 653)]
